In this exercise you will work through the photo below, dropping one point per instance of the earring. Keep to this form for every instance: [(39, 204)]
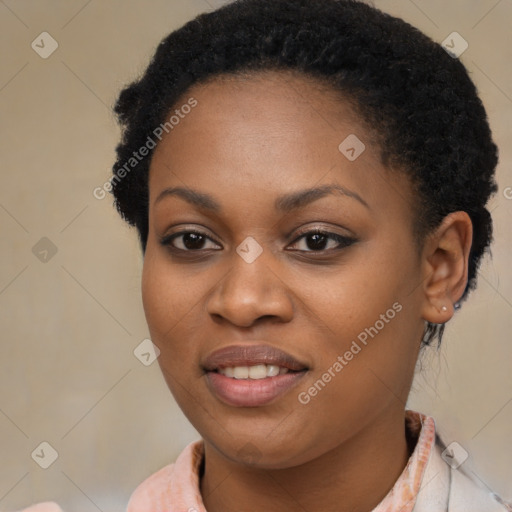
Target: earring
[(444, 309)]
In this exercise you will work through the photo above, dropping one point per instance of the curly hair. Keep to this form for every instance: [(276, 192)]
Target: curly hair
[(418, 99)]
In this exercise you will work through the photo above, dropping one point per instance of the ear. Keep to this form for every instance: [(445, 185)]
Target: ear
[(445, 266)]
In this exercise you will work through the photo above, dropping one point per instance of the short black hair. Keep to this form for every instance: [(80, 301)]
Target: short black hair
[(420, 100)]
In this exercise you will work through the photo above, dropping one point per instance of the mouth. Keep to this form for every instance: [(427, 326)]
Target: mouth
[(256, 372), (251, 375)]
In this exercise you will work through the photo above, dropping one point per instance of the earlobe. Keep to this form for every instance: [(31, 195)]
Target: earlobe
[(445, 267)]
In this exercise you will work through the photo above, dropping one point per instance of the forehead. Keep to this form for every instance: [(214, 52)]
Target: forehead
[(272, 132)]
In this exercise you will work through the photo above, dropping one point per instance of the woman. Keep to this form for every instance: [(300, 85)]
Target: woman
[(309, 184)]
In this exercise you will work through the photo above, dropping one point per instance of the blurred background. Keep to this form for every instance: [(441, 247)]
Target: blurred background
[(71, 315)]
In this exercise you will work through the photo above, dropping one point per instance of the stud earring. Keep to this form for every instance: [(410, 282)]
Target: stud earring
[(444, 309)]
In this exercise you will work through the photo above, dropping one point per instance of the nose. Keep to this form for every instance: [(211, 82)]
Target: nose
[(251, 291)]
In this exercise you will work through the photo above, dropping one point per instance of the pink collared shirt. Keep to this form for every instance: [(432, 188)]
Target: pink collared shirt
[(176, 487), (428, 483)]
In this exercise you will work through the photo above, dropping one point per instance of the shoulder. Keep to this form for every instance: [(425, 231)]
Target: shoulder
[(47, 506), (466, 495), (152, 494), (447, 487), (174, 486)]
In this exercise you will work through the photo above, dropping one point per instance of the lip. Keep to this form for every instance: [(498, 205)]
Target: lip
[(251, 392), (250, 355)]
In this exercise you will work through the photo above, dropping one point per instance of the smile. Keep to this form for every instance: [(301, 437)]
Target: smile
[(251, 375), (256, 372)]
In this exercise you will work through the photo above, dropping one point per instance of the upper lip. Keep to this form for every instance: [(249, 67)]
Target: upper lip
[(248, 355)]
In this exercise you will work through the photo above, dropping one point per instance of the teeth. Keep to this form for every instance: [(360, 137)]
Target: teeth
[(259, 371), (273, 370), (241, 372), (229, 372)]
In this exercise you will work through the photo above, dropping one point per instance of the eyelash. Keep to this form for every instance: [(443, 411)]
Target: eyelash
[(343, 241)]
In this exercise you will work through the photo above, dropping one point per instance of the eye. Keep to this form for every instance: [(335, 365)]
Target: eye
[(189, 241), (318, 240)]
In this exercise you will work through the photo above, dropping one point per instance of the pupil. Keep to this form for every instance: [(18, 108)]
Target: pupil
[(318, 242), (193, 241)]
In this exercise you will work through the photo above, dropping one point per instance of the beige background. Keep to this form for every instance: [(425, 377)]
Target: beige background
[(68, 374)]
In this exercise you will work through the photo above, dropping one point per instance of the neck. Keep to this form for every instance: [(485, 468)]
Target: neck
[(353, 477)]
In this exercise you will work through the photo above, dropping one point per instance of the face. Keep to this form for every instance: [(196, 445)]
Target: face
[(281, 279)]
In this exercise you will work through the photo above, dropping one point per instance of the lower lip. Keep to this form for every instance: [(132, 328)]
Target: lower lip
[(251, 392)]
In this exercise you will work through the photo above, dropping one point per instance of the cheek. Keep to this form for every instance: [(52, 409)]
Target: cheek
[(168, 305), (365, 314), (169, 300), (345, 300)]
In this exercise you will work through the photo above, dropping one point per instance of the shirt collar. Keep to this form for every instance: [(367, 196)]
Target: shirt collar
[(176, 487)]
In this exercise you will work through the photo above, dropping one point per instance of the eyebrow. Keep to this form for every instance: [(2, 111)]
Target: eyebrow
[(284, 203)]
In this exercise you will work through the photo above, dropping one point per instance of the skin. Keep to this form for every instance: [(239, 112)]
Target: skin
[(249, 141)]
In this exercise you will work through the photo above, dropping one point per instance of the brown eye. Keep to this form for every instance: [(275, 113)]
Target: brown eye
[(318, 241), (188, 241)]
